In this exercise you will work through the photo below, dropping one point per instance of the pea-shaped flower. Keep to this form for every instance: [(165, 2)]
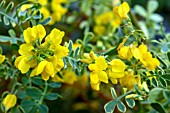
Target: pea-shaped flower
[(98, 73), (9, 101), (117, 70)]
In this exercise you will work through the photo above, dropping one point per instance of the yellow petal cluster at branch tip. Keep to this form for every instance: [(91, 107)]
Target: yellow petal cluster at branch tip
[(117, 68), (88, 58), (2, 58), (34, 33), (99, 29), (125, 53), (141, 53), (123, 10), (98, 73), (130, 80), (42, 57), (9, 101)]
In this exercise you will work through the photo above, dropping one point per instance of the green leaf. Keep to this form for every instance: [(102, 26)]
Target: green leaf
[(121, 107), (55, 85), (166, 76), (156, 17), (162, 62), (15, 46), (155, 94), (35, 93), (9, 7), (130, 102), (27, 105), (166, 93), (70, 44), (140, 10), (2, 4), (152, 6), (110, 106), (163, 82), (46, 21), (111, 51), (168, 54), (21, 94), (113, 92), (71, 63), (87, 38), (158, 107), (52, 96), (9, 39), (71, 19), (38, 81), (76, 52), (154, 82), (12, 33), (6, 21), (43, 108), (1, 51)]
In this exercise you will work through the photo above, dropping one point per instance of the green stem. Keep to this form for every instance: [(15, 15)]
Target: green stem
[(44, 93), (130, 91)]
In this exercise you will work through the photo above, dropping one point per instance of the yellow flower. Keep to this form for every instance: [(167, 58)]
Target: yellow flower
[(99, 29), (45, 68), (125, 53), (121, 44), (117, 70), (123, 10), (25, 7), (116, 18), (69, 77), (45, 12), (58, 12), (88, 57), (43, 58), (145, 57), (9, 101), (104, 18), (32, 34), (2, 58), (129, 80), (98, 73)]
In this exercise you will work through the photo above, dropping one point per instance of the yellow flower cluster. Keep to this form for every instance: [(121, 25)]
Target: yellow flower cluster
[(44, 57), (129, 80), (56, 9), (101, 71), (112, 17), (140, 53)]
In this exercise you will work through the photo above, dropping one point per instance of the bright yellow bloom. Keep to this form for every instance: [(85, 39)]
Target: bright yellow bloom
[(9, 101), (45, 68), (69, 77), (125, 53), (45, 12), (25, 7), (2, 58), (34, 33), (99, 29), (123, 10), (88, 57), (116, 18), (129, 80), (117, 70), (104, 18), (98, 73), (43, 58), (145, 57)]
